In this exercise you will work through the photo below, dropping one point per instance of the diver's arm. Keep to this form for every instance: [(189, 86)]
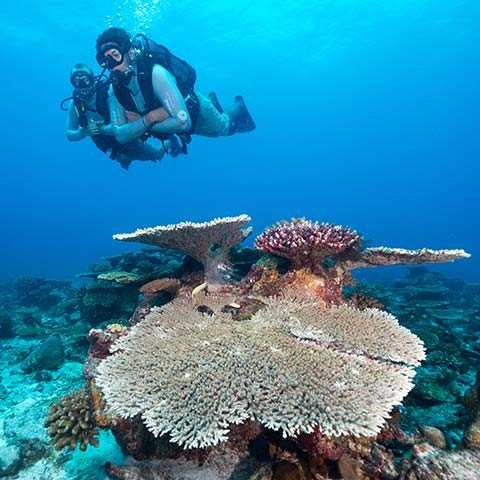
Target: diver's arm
[(123, 131), (166, 90), (74, 131)]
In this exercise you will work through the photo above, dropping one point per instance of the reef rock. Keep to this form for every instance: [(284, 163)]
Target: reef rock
[(224, 464), (6, 325), (434, 464), (10, 460), (435, 437), (49, 355), (472, 435)]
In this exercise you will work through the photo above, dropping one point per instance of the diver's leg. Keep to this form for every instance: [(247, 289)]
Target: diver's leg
[(210, 122)]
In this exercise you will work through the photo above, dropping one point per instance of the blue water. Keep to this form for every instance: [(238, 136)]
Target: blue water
[(367, 115)]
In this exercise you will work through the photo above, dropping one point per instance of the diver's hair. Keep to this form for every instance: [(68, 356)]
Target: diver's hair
[(115, 35)]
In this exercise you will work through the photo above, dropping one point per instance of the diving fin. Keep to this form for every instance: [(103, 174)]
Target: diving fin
[(240, 118), (214, 99)]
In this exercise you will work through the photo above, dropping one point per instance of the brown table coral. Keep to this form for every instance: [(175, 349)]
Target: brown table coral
[(207, 242)]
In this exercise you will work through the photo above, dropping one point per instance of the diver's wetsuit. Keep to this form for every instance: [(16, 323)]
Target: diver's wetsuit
[(210, 122), (133, 149)]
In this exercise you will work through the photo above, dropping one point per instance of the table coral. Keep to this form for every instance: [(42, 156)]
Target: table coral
[(207, 242), (291, 367), (378, 256)]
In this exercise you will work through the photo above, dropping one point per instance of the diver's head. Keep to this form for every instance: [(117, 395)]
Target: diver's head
[(82, 76), (113, 46)]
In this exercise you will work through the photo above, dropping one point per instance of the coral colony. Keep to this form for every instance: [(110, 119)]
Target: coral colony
[(280, 358)]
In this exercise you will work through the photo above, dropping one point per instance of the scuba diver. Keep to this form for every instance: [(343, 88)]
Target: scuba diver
[(156, 89), (89, 116)]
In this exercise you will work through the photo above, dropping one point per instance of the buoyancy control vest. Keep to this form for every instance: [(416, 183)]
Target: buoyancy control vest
[(151, 54), (105, 143)]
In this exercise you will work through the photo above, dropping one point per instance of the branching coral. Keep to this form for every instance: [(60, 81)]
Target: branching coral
[(207, 242), (71, 422), (307, 243), (292, 367)]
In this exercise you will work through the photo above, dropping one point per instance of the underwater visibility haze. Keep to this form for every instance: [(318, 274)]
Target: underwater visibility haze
[(232, 346), (366, 115)]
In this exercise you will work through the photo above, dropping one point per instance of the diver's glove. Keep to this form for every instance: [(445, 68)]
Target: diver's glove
[(174, 146)]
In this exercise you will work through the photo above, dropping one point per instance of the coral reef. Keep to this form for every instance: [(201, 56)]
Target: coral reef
[(442, 312), (6, 325), (434, 464), (49, 355), (71, 422), (103, 301), (38, 292), (323, 256), (471, 437), (288, 371), (190, 375), (209, 243)]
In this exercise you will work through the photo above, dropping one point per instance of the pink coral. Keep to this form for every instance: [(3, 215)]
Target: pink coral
[(307, 243), (319, 445)]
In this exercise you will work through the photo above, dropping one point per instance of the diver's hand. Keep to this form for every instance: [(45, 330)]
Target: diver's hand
[(174, 145), (107, 129), (156, 116), (132, 116), (94, 128)]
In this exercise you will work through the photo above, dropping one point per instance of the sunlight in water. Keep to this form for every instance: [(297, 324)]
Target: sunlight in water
[(137, 15)]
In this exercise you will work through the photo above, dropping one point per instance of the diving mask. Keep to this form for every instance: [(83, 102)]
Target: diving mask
[(113, 58)]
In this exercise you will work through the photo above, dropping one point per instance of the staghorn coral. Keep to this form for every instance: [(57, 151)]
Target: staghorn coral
[(207, 242), (70, 422), (306, 243), (291, 367)]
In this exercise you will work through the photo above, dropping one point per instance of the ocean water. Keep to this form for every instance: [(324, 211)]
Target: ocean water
[(367, 115)]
